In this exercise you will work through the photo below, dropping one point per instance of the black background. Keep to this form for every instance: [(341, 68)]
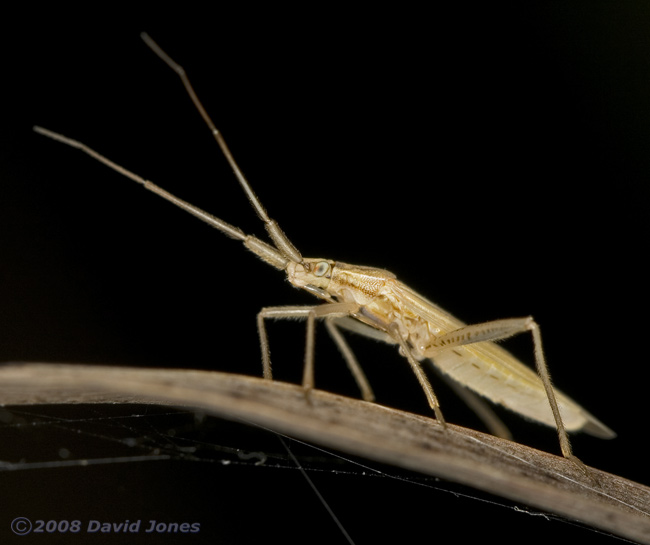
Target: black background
[(494, 158)]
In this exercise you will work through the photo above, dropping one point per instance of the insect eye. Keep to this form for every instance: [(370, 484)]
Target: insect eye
[(321, 269)]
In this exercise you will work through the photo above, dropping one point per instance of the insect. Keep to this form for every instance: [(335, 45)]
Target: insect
[(372, 302)]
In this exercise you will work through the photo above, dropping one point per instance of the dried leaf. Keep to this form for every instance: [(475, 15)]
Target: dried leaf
[(457, 454)]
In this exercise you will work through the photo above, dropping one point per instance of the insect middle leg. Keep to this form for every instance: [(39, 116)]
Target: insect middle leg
[(416, 367), (482, 410), (311, 314)]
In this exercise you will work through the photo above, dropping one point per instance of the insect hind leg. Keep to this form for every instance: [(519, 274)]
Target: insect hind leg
[(502, 329)]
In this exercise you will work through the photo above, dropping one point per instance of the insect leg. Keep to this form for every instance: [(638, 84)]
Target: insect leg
[(299, 313), (419, 373), (351, 360), (502, 329), (355, 326), (496, 330), (482, 410)]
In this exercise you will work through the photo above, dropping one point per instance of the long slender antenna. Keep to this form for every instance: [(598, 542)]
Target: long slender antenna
[(264, 251), (281, 240), (225, 227)]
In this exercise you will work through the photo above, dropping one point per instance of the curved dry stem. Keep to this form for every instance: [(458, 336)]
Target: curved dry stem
[(457, 454)]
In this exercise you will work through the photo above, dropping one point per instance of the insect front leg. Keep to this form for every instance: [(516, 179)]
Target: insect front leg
[(502, 329), (310, 314)]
